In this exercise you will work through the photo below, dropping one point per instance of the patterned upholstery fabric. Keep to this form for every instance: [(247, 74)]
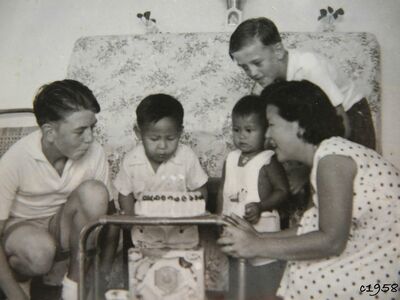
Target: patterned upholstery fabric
[(196, 68)]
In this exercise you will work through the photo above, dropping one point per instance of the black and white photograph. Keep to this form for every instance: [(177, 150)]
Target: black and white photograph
[(199, 150)]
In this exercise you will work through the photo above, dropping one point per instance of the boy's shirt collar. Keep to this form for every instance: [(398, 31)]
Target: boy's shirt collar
[(140, 157), (36, 149)]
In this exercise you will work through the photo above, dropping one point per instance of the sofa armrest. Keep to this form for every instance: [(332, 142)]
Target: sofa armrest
[(10, 135)]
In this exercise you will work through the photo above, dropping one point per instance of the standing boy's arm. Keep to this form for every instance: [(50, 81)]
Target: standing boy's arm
[(127, 203), (276, 176), (7, 281)]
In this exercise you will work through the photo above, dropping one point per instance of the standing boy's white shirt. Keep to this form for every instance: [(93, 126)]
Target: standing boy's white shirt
[(317, 69), (30, 187)]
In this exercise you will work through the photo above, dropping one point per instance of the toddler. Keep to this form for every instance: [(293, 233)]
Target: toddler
[(159, 164), (253, 181), (253, 185)]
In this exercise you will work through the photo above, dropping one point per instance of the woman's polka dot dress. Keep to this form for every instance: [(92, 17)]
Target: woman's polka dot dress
[(372, 254)]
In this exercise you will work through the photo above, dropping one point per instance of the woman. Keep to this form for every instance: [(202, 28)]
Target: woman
[(347, 244)]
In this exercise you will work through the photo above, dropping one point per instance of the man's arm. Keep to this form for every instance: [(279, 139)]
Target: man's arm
[(9, 183), (7, 281)]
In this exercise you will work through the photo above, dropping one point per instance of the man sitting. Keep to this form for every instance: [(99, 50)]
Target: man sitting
[(53, 182)]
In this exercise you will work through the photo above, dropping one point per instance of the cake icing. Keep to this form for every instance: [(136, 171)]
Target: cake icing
[(171, 204)]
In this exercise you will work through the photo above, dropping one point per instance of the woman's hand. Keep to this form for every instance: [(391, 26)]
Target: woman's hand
[(239, 238)]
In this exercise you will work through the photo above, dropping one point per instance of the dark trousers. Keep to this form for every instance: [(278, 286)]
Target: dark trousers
[(262, 282)]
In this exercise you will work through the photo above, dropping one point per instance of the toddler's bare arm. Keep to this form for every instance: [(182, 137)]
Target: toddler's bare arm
[(273, 186)]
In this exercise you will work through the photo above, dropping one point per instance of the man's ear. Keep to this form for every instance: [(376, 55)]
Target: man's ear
[(279, 50), (137, 131), (48, 132)]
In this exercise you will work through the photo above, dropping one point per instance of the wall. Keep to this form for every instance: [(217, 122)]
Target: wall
[(37, 37)]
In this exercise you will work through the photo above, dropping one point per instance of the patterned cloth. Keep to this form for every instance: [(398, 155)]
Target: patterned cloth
[(372, 253), (196, 68)]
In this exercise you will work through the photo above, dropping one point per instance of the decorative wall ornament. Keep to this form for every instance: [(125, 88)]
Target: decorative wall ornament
[(234, 12), (328, 17), (149, 23)]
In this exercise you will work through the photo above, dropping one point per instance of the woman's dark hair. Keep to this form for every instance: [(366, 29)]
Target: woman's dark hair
[(157, 106), (305, 103), (56, 100), (262, 28), (248, 105)]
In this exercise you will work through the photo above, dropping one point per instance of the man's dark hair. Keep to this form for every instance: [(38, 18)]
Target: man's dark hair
[(262, 28), (56, 100), (306, 103), (157, 106), (248, 105)]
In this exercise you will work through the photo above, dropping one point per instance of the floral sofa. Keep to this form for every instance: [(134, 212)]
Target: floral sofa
[(196, 68)]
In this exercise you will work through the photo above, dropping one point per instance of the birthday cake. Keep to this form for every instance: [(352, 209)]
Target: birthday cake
[(171, 204)]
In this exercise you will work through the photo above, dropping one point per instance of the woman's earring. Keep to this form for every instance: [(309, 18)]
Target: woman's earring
[(300, 133)]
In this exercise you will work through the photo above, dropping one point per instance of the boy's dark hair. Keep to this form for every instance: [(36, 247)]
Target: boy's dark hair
[(262, 28), (248, 105), (56, 100), (306, 103), (157, 106)]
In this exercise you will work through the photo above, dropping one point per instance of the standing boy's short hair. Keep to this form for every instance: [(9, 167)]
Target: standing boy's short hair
[(155, 107), (249, 105), (56, 100), (306, 103), (262, 28)]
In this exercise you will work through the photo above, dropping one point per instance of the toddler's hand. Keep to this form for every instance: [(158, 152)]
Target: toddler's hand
[(252, 212)]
